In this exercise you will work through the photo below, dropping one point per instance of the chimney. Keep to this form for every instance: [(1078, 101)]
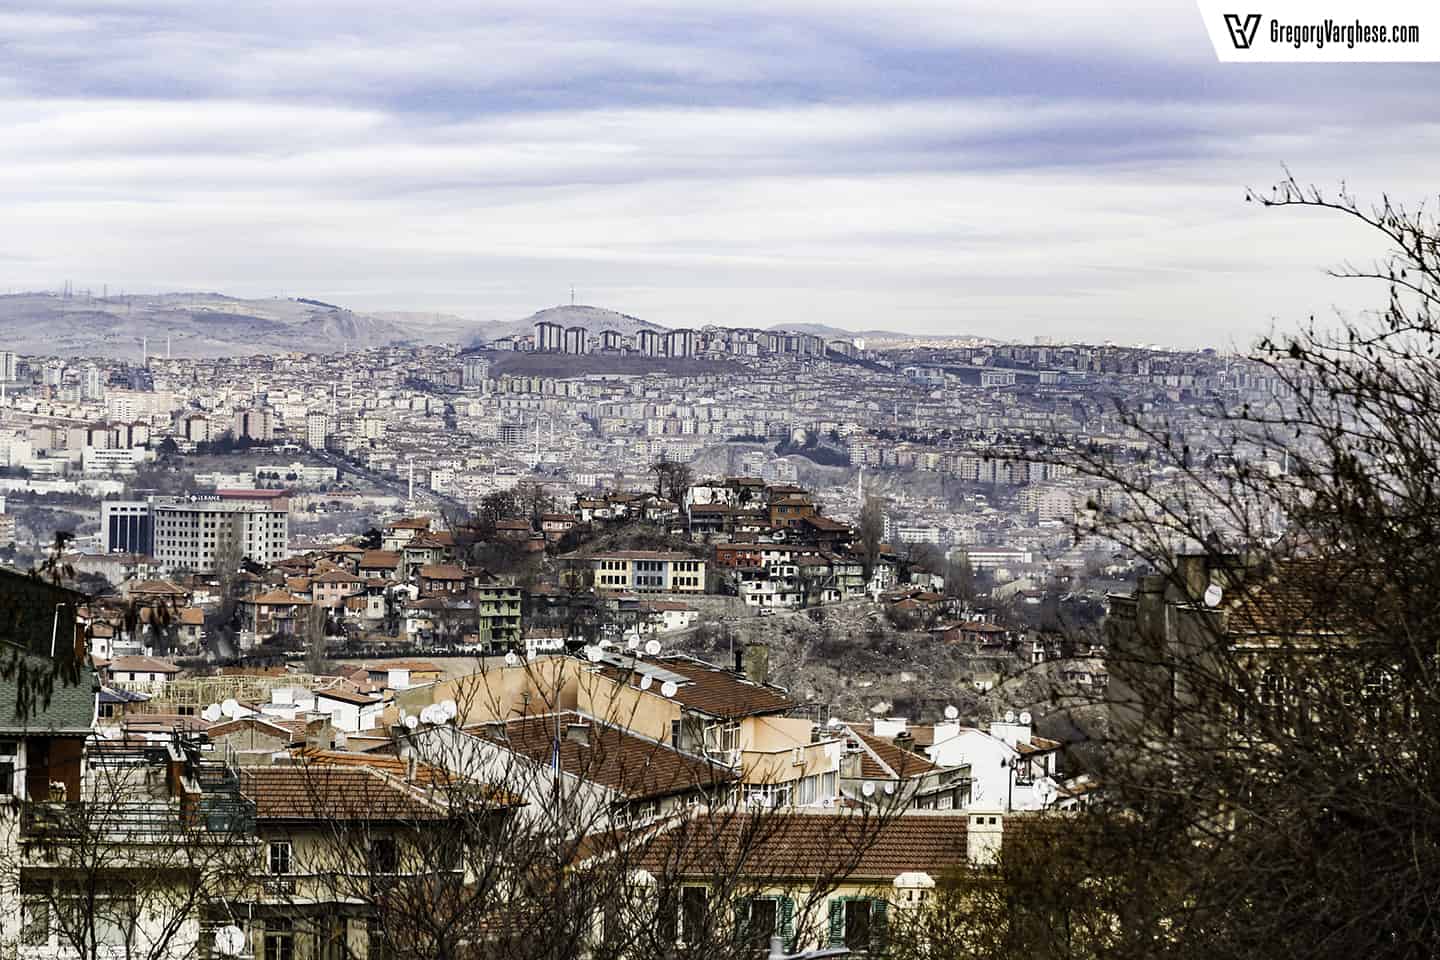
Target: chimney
[(578, 733), (319, 734), (756, 663), (984, 837)]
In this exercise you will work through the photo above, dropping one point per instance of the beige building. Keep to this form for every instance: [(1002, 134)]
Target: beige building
[(648, 571)]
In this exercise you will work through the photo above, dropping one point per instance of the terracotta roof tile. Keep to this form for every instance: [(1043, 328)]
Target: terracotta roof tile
[(804, 845), (613, 758), (326, 792), (713, 690)]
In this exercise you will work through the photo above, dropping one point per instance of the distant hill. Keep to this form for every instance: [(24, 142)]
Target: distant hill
[(594, 319), (195, 324), (837, 333)]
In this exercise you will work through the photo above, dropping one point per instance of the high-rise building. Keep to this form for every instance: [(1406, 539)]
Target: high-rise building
[(549, 337), (577, 340), (256, 423), (649, 343), (317, 429), (92, 388), (8, 365), (475, 372), (190, 533)]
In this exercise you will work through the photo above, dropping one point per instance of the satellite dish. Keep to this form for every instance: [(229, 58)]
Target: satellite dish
[(1009, 716), (1045, 791), (669, 689), (448, 708), (1213, 595), (868, 789), (411, 723), (427, 715), (230, 708), (211, 713), (652, 647), (633, 643), (593, 654), (230, 941), (511, 660), (646, 682), (951, 713), (1025, 717), (835, 721)]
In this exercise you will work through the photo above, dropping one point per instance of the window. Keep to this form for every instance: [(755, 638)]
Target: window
[(8, 765), (35, 912), (858, 923), (692, 915), (761, 924), (384, 857), (280, 857), (279, 939)]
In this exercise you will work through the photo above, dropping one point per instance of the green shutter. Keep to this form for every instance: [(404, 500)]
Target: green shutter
[(879, 928), (787, 923), (837, 922)]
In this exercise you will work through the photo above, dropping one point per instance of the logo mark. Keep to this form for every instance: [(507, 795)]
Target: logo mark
[(1242, 31)]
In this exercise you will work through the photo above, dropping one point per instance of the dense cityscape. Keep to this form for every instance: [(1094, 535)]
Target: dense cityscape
[(657, 481)]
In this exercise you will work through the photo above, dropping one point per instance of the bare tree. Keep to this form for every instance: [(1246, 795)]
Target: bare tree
[(122, 872), (314, 634), (1273, 692), (871, 533)]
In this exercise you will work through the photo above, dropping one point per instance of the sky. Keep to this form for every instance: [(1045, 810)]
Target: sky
[(1000, 169)]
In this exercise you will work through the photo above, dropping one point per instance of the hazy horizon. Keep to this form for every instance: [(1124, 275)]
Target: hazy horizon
[(917, 166)]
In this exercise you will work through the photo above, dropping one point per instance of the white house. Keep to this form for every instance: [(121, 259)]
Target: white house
[(137, 669), (1011, 769), (351, 712)]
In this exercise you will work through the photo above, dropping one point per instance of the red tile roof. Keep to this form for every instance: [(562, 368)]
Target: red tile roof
[(863, 846), (311, 792), (617, 760)]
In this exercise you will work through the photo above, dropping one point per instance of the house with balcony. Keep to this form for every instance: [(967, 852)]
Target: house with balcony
[(136, 863), (732, 718), (333, 840)]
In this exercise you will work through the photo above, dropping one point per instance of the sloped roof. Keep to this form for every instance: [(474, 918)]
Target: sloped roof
[(317, 792), (799, 845), (883, 760), (137, 664), (627, 764), (713, 690)]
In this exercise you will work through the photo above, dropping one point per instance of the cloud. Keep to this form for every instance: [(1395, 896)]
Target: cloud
[(937, 165)]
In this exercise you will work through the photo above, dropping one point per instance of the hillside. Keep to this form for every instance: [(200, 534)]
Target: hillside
[(594, 319), (195, 325)]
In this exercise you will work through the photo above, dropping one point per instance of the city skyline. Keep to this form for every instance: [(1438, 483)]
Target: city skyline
[(757, 167)]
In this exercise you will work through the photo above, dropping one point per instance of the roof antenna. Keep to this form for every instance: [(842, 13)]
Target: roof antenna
[(572, 294)]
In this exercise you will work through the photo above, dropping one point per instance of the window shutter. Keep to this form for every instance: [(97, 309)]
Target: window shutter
[(742, 919), (837, 922), (787, 923), (879, 928)]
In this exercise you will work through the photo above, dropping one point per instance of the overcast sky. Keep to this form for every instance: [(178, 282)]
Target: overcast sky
[(1007, 169)]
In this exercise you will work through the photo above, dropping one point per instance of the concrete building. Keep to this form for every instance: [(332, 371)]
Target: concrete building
[(256, 423), (475, 372), (317, 429), (577, 340), (189, 533), (549, 337)]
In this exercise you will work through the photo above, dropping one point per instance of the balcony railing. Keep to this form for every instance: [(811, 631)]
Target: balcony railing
[(210, 817)]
